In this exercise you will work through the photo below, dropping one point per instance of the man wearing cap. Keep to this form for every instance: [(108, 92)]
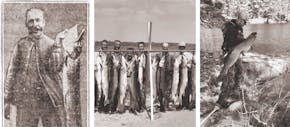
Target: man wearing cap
[(142, 74), (102, 77), (180, 89), (164, 77), (114, 78), (129, 62), (33, 83), (233, 35)]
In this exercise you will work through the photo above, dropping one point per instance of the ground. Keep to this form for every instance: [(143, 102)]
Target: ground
[(264, 102), (168, 119)]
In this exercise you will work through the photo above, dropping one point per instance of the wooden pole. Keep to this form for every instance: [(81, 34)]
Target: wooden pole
[(150, 71)]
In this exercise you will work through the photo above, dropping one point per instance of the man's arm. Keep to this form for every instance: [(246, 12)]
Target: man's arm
[(11, 74), (10, 81)]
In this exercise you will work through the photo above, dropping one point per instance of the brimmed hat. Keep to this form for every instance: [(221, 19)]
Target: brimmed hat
[(181, 44), (164, 44)]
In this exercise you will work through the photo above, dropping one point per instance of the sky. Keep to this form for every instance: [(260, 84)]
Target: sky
[(126, 20)]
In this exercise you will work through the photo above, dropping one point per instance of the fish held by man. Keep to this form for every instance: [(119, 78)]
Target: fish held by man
[(71, 75), (234, 55)]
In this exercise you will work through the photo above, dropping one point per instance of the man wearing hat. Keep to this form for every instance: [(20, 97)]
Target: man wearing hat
[(183, 58), (115, 71), (103, 84), (164, 77), (233, 35), (142, 75)]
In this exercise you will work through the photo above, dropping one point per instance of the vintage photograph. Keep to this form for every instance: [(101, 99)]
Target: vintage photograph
[(173, 63), (144, 63), (244, 63), (45, 64), (121, 60)]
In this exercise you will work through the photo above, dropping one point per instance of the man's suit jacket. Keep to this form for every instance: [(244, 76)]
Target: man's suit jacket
[(48, 64)]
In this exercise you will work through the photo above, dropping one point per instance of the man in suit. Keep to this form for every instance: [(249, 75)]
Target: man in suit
[(33, 84)]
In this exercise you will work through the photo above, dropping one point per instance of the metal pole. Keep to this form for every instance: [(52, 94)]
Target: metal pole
[(150, 70)]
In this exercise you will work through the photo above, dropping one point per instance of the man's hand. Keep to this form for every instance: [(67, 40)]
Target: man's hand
[(7, 111), (224, 49)]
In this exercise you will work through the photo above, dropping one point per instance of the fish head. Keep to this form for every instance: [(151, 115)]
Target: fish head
[(184, 61), (123, 62), (115, 61), (252, 36)]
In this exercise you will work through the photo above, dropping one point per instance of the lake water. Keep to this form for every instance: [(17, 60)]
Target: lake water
[(272, 39)]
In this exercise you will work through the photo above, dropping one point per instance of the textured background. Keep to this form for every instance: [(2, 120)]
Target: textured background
[(58, 16)]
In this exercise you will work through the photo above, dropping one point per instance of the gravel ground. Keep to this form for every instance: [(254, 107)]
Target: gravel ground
[(184, 118)]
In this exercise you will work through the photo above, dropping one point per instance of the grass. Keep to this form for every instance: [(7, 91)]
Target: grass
[(264, 104)]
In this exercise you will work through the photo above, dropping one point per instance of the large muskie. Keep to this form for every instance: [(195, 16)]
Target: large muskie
[(184, 78), (192, 96), (141, 70), (115, 78), (98, 77), (154, 76), (175, 82), (105, 78), (71, 75), (234, 55), (123, 84)]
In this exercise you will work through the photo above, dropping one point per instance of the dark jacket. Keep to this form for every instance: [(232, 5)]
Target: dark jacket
[(47, 70), (232, 34)]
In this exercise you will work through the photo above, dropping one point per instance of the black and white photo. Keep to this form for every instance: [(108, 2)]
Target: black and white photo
[(45, 59)]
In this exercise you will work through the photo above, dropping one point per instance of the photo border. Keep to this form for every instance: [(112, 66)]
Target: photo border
[(89, 34)]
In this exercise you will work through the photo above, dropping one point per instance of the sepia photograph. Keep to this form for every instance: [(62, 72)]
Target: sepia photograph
[(144, 63), (45, 61), (244, 63)]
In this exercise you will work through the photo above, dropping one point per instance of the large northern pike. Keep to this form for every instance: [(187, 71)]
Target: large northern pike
[(184, 78), (115, 79), (234, 55), (98, 77), (123, 84), (105, 77), (71, 75), (175, 82), (154, 76), (192, 94), (141, 70)]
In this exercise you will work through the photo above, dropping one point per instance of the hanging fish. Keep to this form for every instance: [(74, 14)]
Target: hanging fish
[(154, 76), (71, 41), (98, 78), (184, 78), (123, 84), (141, 70), (192, 94), (175, 82), (115, 79), (105, 77)]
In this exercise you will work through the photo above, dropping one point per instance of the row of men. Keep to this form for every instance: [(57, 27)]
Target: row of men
[(173, 78), (115, 72)]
